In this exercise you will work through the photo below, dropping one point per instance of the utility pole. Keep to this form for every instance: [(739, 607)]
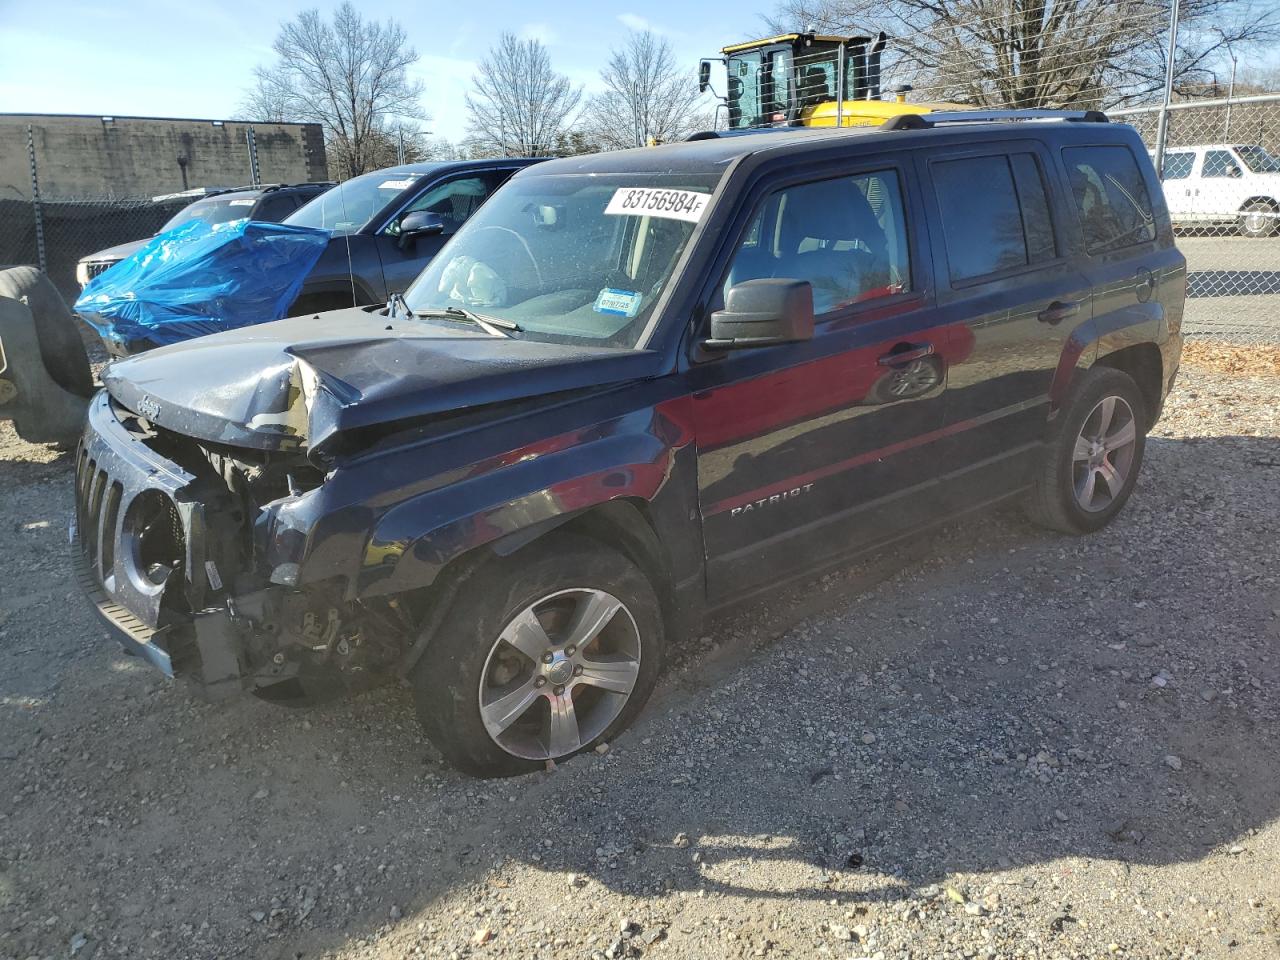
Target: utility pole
[(1162, 125), (1231, 92)]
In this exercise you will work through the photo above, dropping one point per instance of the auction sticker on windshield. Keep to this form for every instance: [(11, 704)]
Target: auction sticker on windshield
[(658, 202)]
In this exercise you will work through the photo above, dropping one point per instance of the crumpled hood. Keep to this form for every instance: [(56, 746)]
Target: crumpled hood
[(298, 382)]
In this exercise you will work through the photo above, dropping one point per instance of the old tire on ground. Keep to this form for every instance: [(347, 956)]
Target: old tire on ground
[(1093, 456), (61, 349), (543, 654), (1259, 219)]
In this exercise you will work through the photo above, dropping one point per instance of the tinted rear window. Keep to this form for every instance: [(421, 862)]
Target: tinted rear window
[(1111, 196), (981, 220), (1036, 221)]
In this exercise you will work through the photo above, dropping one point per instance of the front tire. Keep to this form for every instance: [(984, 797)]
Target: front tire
[(1093, 456), (1259, 219), (543, 654)]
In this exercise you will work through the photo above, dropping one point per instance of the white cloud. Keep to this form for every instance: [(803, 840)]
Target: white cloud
[(633, 21), (541, 32)]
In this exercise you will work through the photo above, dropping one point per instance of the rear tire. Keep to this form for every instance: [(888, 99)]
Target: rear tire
[(495, 708), (1259, 219), (1093, 456), (61, 349)]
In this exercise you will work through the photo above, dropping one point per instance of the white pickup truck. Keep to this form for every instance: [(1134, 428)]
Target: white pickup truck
[(1220, 183)]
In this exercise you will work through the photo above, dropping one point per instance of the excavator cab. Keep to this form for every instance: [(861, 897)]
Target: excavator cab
[(805, 79)]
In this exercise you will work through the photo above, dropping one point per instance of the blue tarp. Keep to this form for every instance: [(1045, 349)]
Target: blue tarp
[(198, 279)]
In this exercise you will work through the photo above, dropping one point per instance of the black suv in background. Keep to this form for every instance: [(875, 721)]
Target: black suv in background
[(272, 202), (635, 388), (387, 225)]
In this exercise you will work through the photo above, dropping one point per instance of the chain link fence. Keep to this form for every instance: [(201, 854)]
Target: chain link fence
[(1220, 168), (54, 233)]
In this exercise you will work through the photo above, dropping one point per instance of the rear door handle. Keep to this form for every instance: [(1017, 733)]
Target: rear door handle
[(910, 351), (1058, 311)]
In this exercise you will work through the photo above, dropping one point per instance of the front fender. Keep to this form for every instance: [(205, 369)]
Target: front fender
[(528, 488)]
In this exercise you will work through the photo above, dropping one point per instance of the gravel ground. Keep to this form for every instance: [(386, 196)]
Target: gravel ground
[(993, 742)]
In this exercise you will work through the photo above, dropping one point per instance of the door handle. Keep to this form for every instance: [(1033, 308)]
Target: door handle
[(907, 353), (1058, 311)]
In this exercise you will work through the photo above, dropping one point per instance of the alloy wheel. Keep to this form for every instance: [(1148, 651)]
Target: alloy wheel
[(562, 670), (1104, 453)]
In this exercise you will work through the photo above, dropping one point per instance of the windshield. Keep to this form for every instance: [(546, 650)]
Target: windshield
[(569, 258), (211, 211), (1257, 159), (350, 205)]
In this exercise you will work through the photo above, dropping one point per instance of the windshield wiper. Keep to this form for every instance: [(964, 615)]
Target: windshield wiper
[(396, 307), (495, 326)]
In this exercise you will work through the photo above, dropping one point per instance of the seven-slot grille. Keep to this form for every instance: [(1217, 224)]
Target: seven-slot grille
[(152, 532), (97, 512)]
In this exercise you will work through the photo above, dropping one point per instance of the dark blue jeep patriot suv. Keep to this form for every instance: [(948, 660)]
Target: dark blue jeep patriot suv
[(633, 388)]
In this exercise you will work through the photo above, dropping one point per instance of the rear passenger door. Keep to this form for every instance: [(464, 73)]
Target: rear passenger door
[(1007, 282)]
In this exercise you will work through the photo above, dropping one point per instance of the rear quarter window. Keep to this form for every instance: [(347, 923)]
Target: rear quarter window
[(1111, 197)]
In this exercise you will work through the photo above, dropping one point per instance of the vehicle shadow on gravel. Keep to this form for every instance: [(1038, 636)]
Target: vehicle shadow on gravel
[(1002, 697), (986, 698)]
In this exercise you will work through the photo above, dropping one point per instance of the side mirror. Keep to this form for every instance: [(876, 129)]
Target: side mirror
[(761, 313), (704, 76), (419, 223), (1235, 173)]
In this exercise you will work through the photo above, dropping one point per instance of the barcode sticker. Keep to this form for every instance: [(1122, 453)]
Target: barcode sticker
[(658, 202)]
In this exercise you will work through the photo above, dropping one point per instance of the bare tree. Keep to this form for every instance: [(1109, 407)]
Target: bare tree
[(647, 96), (350, 75), (1041, 53), (518, 104)]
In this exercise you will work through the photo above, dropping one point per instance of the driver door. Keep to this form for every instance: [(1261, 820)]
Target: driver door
[(811, 450), (455, 199)]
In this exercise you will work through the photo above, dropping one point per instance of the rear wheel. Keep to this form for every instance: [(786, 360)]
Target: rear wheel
[(542, 655), (1092, 460), (1258, 219)]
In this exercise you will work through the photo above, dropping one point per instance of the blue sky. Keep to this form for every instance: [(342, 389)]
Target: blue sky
[(151, 58)]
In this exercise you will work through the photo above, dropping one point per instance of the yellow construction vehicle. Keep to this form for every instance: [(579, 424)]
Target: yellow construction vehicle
[(807, 80)]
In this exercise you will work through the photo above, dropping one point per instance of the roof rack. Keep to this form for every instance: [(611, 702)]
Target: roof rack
[(741, 132), (924, 121)]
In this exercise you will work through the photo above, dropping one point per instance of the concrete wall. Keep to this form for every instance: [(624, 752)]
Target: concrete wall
[(81, 157)]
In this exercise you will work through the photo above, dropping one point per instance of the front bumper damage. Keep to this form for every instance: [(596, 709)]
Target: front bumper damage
[(164, 553), (142, 550)]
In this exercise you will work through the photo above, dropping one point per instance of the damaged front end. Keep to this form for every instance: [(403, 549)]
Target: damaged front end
[(181, 550)]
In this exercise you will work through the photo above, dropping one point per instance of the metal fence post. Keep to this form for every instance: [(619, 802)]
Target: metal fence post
[(35, 199), (253, 157), (840, 69), (1162, 124)]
